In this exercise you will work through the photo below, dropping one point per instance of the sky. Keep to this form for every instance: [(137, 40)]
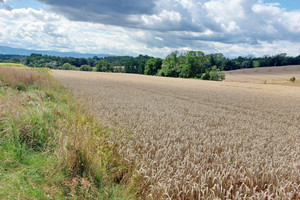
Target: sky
[(153, 27)]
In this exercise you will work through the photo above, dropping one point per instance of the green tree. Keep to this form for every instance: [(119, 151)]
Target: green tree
[(104, 66), (15, 60), (170, 65), (67, 66), (153, 65), (85, 68)]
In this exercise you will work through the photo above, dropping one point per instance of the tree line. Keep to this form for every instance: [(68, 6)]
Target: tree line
[(189, 64)]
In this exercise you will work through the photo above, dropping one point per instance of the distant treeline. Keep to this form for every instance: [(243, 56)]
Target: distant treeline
[(12, 58), (190, 64)]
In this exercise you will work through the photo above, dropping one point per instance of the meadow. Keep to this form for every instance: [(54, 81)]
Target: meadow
[(193, 139)]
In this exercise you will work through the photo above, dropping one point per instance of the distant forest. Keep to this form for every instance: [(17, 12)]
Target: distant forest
[(190, 64)]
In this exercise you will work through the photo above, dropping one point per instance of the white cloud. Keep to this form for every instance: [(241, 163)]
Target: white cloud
[(234, 27)]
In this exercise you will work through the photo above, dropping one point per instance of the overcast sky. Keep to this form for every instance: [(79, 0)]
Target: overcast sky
[(153, 27)]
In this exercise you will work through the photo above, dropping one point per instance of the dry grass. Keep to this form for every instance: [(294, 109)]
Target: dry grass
[(20, 78), (265, 75), (191, 139)]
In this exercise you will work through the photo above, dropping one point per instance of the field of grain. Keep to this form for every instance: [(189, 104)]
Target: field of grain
[(264, 75), (192, 139)]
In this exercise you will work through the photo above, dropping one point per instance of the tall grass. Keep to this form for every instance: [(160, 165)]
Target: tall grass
[(50, 146)]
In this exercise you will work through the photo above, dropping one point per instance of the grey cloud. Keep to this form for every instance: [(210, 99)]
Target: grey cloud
[(158, 19), (6, 6), (112, 12), (129, 13)]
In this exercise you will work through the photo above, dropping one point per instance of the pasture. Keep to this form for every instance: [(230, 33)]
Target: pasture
[(192, 139)]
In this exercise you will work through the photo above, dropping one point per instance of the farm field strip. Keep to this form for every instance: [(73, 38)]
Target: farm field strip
[(194, 139), (268, 74)]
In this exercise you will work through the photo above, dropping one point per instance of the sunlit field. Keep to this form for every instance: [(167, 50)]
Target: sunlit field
[(277, 75), (193, 139)]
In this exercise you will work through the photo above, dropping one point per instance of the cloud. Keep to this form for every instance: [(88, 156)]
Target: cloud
[(229, 21), (113, 12), (6, 6), (154, 27)]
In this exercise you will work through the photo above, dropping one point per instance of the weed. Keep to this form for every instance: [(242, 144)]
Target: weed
[(293, 79)]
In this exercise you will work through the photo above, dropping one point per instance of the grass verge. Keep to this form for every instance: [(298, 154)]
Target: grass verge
[(50, 147), (11, 65)]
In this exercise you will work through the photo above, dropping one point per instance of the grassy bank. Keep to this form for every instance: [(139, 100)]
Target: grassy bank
[(50, 147)]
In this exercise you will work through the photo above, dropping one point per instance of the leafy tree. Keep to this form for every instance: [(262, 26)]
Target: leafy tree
[(85, 68), (153, 65), (15, 60), (247, 64), (131, 66), (141, 68), (52, 65), (104, 66), (185, 71), (170, 65), (217, 59), (67, 66)]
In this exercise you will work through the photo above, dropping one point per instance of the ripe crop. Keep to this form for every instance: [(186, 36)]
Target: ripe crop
[(191, 139)]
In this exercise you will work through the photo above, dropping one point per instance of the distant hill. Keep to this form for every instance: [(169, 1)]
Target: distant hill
[(26, 52)]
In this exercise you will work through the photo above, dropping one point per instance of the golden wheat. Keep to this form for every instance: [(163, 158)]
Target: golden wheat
[(264, 74), (191, 139)]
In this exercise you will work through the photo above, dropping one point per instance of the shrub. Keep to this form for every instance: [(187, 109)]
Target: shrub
[(205, 76), (85, 68), (67, 66), (214, 74), (293, 79)]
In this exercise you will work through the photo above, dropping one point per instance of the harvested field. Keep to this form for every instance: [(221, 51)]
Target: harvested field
[(192, 139), (268, 74)]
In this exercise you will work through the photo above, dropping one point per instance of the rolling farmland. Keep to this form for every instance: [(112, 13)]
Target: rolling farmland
[(264, 74), (192, 139)]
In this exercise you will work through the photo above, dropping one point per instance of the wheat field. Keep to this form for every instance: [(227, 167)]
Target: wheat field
[(265, 75), (192, 139)]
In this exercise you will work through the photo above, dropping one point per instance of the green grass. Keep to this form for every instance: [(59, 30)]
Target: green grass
[(50, 147), (11, 65)]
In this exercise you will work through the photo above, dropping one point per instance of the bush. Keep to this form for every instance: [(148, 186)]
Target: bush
[(293, 79), (205, 76), (214, 74), (85, 68), (67, 66)]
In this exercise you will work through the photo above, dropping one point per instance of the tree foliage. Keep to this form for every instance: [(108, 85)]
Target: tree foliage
[(67, 66), (85, 68), (190, 64), (104, 66), (153, 65)]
